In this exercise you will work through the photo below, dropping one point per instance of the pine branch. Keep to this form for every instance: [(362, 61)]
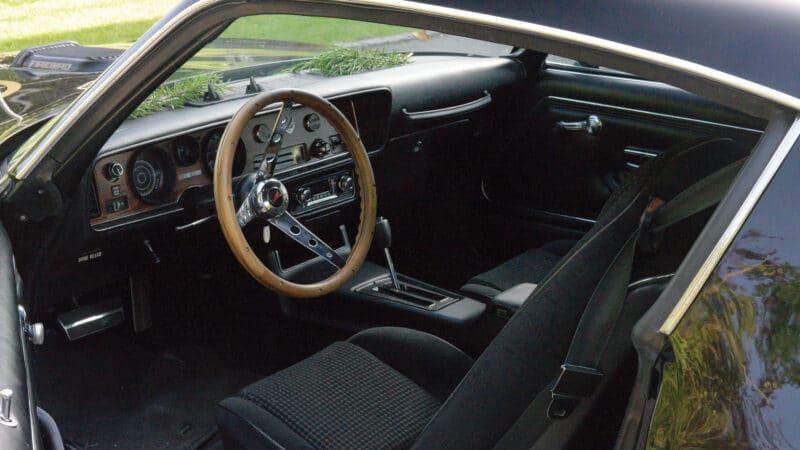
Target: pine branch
[(346, 61), (178, 93)]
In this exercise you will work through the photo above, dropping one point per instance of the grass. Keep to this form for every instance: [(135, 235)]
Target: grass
[(90, 22), (27, 23), (310, 30)]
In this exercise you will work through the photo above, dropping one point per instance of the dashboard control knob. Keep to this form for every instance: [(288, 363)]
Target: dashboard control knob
[(319, 148), (302, 195), (344, 183), (311, 122), (114, 170)]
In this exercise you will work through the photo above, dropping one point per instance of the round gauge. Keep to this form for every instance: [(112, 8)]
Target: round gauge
[(311, 122), (261, 133), (152, 175), (186, 151), (210, 147)]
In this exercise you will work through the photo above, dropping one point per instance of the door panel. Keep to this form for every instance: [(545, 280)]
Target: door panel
[(548, 177), (13, 373)]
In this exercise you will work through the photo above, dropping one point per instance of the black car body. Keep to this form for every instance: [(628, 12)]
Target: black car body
[(486, 168)]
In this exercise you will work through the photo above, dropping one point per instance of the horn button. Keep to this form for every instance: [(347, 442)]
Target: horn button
[(271, 197)]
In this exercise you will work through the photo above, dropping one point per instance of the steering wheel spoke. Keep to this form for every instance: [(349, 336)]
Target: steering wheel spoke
[(291, 227), (284, 124), (246, 213)]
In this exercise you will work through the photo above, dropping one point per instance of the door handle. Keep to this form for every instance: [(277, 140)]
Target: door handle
[(592, 125)]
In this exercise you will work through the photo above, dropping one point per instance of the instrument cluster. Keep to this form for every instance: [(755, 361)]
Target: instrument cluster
[(156, 175), (152, 177)]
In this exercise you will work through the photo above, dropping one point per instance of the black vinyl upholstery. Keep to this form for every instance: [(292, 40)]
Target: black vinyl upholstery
[(346, 396), (342, 396)]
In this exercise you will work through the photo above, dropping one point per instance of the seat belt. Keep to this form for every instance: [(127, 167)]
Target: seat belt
[(580, 376)]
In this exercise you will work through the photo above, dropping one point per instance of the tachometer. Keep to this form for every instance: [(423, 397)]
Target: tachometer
[(152, 175), (210, 147), (186, 151)]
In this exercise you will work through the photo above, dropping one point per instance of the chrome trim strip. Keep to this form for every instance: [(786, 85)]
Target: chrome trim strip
[(654, 114), (648, 280), (636, 151), (26, 360), (24, 164), (134, 219), (195, 223), (732, 230)]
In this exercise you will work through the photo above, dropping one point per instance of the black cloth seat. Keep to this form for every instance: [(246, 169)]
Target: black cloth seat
[(396, 388), (531, 266), (534, 265), (377, 390)]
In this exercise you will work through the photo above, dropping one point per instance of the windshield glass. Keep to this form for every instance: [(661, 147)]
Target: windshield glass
[(280, 40), (283, 50)]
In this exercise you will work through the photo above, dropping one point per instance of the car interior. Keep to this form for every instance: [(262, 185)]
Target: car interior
[(516, 192)]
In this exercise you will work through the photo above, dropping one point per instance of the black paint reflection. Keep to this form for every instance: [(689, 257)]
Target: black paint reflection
[(735, 381)]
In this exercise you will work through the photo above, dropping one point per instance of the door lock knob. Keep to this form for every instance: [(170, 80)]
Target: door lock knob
[(5, 408)]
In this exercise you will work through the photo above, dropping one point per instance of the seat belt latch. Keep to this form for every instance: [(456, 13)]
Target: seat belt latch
[(649, 241), (573, 384)]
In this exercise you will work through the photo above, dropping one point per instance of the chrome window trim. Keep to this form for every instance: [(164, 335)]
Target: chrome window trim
[(711, 262)]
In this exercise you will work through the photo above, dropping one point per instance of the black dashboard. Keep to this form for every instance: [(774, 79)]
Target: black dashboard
[(153, 166), (409, 118)]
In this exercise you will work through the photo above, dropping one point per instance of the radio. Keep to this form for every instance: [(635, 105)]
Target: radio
[(324, 191)]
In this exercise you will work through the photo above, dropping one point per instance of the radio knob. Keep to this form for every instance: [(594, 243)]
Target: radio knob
[(344, 183), (319, 148), (302, 195)]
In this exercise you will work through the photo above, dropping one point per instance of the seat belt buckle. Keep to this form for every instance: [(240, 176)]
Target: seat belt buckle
[(573, 384), (649, 241)]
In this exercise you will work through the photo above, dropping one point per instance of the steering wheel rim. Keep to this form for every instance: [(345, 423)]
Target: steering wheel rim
[(225, 202)]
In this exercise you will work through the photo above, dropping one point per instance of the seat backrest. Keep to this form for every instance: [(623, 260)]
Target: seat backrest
[(526, 355)]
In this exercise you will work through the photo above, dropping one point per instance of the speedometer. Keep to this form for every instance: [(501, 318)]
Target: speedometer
[(152, 175), (210, 147)]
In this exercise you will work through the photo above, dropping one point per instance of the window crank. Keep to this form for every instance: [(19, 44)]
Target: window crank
[(592, 125)]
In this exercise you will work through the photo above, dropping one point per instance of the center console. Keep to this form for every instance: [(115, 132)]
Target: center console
[(377, 294)]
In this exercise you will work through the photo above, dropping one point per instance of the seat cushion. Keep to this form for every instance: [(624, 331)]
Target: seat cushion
[(529, 267), (342, 397)]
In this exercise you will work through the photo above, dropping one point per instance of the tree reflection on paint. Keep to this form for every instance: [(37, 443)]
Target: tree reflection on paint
[(736, 351)]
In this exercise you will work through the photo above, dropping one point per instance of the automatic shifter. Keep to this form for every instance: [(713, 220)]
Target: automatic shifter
[(383, 238)]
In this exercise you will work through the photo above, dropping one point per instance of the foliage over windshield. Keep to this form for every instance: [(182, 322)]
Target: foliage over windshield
[(347, 61), (270, 45), (178, 93)]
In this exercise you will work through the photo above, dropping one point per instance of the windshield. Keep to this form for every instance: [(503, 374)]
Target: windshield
[(279, 40), (289, 50)]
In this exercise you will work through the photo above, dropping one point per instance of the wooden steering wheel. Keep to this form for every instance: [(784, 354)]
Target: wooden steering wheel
[(267, 197)]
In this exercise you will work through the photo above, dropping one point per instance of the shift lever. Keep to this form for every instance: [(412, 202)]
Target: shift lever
[(383, 237)]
